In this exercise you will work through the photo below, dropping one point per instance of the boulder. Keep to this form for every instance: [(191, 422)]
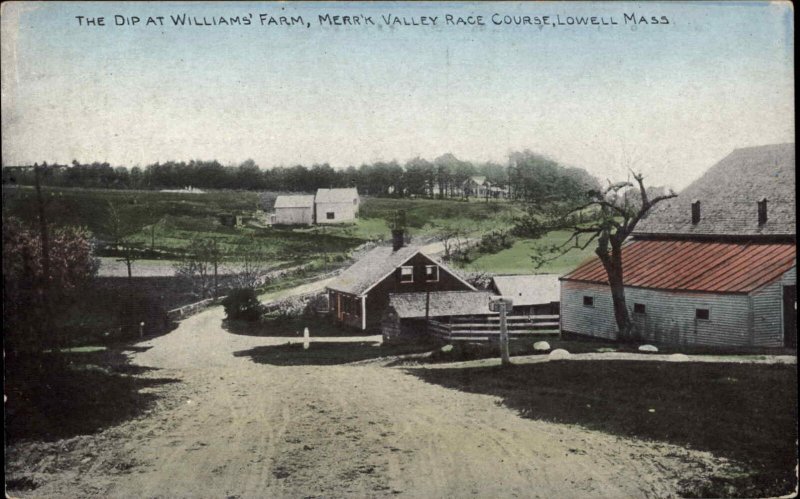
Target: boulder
[(559, 354), (447, 348), (678, 357), (648, 348), (541, 346)]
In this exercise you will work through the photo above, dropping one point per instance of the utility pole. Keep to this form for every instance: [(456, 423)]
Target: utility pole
[(216, 263), (44, 281), (42, 225)]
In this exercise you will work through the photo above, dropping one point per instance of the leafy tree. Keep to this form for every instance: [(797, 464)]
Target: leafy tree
[(30, 294)]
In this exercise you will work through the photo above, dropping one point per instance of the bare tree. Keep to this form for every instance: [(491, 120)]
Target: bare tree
[(250, 267), (120, 229), (615, 216), (453, 239), (198, 266)]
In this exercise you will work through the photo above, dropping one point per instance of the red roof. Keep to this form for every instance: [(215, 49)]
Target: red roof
[(695, 266)]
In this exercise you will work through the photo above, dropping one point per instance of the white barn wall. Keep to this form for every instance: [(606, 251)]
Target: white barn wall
[(343, 212), (597, 321), (768, 311), (669, 317), (294, 216)]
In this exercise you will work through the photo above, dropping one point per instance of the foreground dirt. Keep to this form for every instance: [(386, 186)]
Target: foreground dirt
[(235, 428)]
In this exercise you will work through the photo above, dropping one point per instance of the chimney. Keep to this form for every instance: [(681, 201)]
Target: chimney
[(762, 212), (696, 212), (398, 239)]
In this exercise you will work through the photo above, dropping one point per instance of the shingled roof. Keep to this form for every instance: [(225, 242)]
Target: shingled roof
[(681, 265), (527, 290), (442, 304), (729, 192), (297, 201), (375, 266), (336, 195)]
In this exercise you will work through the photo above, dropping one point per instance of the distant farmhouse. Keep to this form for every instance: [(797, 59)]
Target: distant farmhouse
[(328, 206), (478, 186), (714, 266), (336, 205), (360, 295)]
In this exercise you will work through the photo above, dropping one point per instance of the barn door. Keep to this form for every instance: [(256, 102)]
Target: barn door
[(790, 316)]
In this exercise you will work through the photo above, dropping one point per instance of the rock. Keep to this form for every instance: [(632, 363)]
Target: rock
[(648, 348), (541, 346), (678, 357), (559, 354), (447, 348)]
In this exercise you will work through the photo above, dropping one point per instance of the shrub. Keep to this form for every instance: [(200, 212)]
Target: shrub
[(242, 304)]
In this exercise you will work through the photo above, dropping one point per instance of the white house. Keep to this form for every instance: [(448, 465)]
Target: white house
[(714, 266), (336, 205), (294, 210)]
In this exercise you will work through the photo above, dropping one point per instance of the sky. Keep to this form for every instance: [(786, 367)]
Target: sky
[(668, 100)]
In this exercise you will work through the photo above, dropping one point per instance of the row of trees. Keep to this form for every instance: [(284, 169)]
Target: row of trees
[(527, 176)]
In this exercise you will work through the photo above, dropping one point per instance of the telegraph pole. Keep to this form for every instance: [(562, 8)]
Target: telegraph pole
[(216, 263)]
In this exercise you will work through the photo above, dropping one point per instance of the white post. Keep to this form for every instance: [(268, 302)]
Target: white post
[(504, 357), (306, 339)]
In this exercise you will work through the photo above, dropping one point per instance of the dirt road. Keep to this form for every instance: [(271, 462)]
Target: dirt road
[(237, 428)]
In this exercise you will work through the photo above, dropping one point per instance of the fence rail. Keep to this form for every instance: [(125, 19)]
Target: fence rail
[(486, 328)]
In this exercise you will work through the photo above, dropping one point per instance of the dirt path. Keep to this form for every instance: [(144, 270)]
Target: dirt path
[(237, 428)]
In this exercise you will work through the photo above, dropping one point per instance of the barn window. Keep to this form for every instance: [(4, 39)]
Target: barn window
[(431, 273), (329, 215), (588, 301), (702, 314), (407, 274), (639, 308)]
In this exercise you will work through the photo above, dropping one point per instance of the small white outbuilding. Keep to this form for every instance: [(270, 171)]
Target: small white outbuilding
[(335, 206), (294, 210)]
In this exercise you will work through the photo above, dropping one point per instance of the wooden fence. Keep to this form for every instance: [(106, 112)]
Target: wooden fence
[(487, 327)]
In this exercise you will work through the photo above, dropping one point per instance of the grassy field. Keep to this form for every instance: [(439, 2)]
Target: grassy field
[(167, 221), (744, 412), (517, 259)]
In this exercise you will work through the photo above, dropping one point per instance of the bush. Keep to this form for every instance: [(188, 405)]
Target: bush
[(495, 241), (242, 304)]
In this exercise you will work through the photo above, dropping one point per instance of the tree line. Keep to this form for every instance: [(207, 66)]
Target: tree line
[(526, 176)]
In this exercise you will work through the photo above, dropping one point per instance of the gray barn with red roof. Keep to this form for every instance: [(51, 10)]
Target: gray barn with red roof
[(714, 266)]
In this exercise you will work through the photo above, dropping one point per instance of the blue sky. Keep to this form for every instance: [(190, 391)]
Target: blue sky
[(668, 100)]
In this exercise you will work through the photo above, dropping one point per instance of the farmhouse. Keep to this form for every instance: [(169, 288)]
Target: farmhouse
[(714, 266), (336, 205), (359, 296), (294, 210), (531, 294), (476, 186)]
